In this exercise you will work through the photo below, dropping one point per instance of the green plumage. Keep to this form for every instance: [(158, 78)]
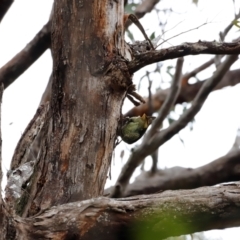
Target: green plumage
[(134, 128)]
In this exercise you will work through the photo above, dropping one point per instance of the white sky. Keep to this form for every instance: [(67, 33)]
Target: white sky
[(216, 125)]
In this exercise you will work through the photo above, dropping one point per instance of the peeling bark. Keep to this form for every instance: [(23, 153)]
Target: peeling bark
[(157, 216), (89, 85)]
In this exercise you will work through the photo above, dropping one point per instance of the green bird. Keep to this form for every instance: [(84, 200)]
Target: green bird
[(134, 128)]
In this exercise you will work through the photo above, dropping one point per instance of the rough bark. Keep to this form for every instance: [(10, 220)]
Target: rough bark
[(3, 213), (89, 85), (185, 49), (143, 217)]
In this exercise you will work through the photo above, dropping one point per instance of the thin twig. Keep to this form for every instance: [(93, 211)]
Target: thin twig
[(197, 70), (168, 103), (149, 94), (224, 33), (165, 109), (192, 29), (157, 140), (197, 103)]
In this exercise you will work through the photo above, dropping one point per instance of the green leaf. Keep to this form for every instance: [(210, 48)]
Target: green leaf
[(152, 36)]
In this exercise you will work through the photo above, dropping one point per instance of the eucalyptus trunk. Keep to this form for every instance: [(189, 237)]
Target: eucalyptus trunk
[(79, 130)]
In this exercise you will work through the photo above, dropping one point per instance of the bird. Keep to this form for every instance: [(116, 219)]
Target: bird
[(133, 128)]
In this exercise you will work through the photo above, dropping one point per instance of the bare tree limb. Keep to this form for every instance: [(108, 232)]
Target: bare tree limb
[(197, 103), (224, 33), (4, 6), (197, 70), (24, 59), (170, 100), (158, 139), (187, 92), (223, 169), (157, 98), (185, 49), (163, 112), (153, 217)]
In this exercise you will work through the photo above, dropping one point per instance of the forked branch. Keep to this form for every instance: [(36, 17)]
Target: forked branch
[(158, 139), (185, 49)]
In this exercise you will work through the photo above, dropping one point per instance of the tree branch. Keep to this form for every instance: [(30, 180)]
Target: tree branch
[(145, 7), (185, 49), (152, 217), (158, 139), (4, 6), (197, 103), (223, 169), (24, 59), (170, 100), (224, 33), (187, 91)]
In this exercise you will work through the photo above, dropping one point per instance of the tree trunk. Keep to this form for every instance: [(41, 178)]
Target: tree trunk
[(89, 85)]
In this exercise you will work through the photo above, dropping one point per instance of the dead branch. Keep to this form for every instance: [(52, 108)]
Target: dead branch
[(170, 100), (224, 33), (185, 49), (4, 6), (187, 92), (24, 59), (155, 216), (197, 70), (158, 139), (223, 169), (197, 103)]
